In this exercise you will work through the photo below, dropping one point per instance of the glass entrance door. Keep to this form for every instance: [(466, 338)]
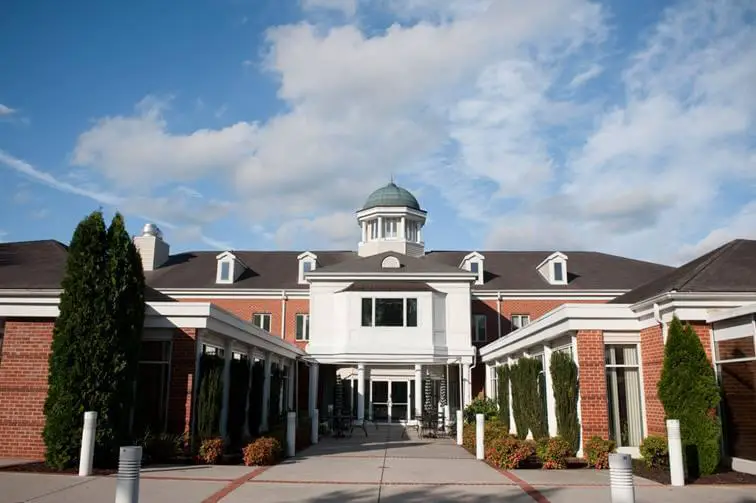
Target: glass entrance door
[(399, 406), (380, 400)]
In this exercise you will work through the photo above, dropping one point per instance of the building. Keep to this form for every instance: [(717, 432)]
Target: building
[(619, 349), (401, 327)]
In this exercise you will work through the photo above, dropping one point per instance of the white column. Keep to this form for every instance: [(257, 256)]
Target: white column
[(479, 432), (364, 231), (380, 227), (512, 426), (291, 378), (360, 392), (676, 469), (487, 384), (266, 392), (403, 229), (313, 399), (550, 400), (86, 456), (418, 391), (226, 388), (467, 381)]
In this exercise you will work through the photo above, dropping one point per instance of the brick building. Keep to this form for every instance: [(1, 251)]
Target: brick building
[(619, 349), (384, 320)]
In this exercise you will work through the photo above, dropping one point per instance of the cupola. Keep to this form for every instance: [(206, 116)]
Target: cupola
[(391, 220)]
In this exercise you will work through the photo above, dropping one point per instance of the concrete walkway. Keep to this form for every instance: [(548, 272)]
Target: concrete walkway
[(390, 465)]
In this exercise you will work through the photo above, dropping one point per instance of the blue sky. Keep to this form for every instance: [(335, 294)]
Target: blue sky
[(618, 126)]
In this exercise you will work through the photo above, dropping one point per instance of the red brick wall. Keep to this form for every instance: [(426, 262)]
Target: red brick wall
[(182, 378), (535, 308), (23, 387), (593, 403), (245, 308), (652, 355)]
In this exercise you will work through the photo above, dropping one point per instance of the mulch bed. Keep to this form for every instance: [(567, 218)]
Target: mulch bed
[(533, 463), (41, 467), (723, 476)]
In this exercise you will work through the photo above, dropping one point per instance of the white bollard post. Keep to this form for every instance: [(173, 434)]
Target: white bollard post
[(291, 434), (480, 420), (315, 424), (460, 426), (127, 485), (621, 478), (87, 444), (674, 440)]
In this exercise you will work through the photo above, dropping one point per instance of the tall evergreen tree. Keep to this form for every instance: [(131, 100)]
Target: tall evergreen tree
[(126, 310), (564, 378), (78, 362), (689, 392)]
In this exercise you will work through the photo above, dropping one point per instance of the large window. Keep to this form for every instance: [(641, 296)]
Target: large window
[(262, 320), (303, 327), (397, 312), (624, 393), (736, 367), (413, 231), (152, 387), (479, 328)]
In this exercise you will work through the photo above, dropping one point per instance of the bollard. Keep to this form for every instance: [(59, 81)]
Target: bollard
[(460, 426), (480, 420), (87, 444), (127, 485), (291, 434), (676, 469), (314, 431), (621, 478)]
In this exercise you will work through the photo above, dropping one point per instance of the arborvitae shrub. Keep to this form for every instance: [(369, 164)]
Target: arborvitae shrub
[(689, 392), (503, 395), (527, 402), (564, 380), (210, 396)]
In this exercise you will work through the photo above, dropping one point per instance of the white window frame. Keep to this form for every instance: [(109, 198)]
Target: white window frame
[(223, 259), (622, 341), (305, 327), (563, 264), (520, 318), (475, 334), (263, 316), (391, 228)]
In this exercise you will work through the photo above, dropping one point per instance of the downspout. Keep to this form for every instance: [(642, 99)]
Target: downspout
[(498, 313), (283, 314), (658, 319)]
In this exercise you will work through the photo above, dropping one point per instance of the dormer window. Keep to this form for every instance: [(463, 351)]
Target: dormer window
[(554, 268), (229, 268), (473, 262), (307, 263)]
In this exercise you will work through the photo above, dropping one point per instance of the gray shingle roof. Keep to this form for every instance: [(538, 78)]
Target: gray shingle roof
[(729, 268), (408, 265), (32, 264)]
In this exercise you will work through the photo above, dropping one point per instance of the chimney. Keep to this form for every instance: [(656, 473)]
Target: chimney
[(150, 245)]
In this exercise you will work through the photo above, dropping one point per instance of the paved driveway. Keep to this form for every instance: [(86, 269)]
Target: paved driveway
[(390, 465)]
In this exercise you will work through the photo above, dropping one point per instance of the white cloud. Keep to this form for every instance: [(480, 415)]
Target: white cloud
[(6, 110), (590, 73), (336, 230)]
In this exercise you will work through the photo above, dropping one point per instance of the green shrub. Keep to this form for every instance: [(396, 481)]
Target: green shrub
[(503, 394), (211, 450), (485, 406), (564, 378), (210, 396), (264, 451), (95, 343), (689, 392), (527, 399), (654, 450), (553, 453), (163, 447), (597, 451), (508, 452)]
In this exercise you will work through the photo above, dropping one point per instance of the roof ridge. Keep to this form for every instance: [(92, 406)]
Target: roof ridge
[(716, 254)]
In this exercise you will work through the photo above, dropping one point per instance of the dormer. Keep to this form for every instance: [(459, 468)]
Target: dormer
[(308, 261), (554, 268), (229, 268), (473, 262)]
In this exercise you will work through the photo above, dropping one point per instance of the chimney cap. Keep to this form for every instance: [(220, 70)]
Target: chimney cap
[(151, 229)]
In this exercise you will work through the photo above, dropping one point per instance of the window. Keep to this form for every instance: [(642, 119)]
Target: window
[(397, 312), (303, 327), (391, 228), (474, 266), (262, 320), (479, 328), (307, 266), (623, 391), (225, 270), (413, 231), (558, 271), (151, 398), (373, 230), (520, 320)]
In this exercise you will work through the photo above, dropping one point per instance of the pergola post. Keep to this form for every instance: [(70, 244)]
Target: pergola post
[(360, 393), (313, 397), (250, 366), (195, 386), (418, 392), (266, 392), (290, 380), (550, 400)]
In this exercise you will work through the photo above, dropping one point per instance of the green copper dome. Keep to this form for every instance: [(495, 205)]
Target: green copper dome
[(391, 195)]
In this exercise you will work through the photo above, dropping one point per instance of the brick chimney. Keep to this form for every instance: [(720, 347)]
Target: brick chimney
[(150, 245)]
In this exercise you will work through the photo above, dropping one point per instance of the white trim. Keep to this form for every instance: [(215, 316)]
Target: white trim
[(390, 210), (621, 337), (547, 294), (436, 357), (428, 276), (563, 319), (553, 256), (236, 293), (714, 316)]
